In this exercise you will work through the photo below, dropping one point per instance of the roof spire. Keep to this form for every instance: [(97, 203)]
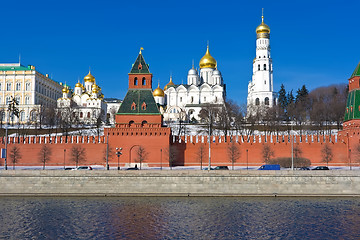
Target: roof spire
[(262, 15), (193, 64), (141, 50)]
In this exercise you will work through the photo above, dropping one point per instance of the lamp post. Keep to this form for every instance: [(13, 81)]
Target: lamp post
[(161, 159), (64, 157), (247, 159), (118, 153), (350, 158), (6, 141), (209, 167), (292, 147), (107, 152)]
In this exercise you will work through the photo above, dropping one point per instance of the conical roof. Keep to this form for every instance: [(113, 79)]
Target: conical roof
[(356, 72)]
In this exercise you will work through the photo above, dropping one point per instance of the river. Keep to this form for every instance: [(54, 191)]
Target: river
[(179, 218)]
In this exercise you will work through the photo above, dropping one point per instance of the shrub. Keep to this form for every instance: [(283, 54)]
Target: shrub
[(285, 162)]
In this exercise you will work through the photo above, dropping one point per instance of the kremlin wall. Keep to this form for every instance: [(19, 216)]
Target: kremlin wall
[(139, 124)]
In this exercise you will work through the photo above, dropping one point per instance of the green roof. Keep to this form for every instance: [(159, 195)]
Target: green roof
[(356, 72), (141, 97), (14, 67), (140, 66), (352, 105)]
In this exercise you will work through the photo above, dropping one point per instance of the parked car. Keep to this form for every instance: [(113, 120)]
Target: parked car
[(270, 167), (69, 168), (321, 168), (84, 168), (221, 168), (304, 168), (206, 168), (132, 168)]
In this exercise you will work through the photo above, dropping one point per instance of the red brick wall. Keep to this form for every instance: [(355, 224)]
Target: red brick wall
[(139, 77)]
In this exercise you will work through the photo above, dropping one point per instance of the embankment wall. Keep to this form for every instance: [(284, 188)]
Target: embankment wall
[(179, 183)]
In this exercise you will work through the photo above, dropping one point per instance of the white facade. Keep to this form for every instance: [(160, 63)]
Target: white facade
[(85, 102), (186, 100), (260, 89), (30, 88)]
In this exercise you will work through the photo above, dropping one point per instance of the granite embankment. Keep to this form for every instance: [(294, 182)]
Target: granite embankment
[(179, 183)]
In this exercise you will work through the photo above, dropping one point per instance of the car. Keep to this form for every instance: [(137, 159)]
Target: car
[(84, 168), (270, 167), (304, 168), (132, 168), (69, 168), (206, 168), (221, 168), (321, 168)]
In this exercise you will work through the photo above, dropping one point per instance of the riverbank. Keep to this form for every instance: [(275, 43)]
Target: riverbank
[(179, 183)]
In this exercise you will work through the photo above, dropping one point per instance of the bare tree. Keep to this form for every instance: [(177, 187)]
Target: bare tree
[(141, 154), (201, 154), (267, 153), (78, 154), (45, 155), (111, 153), (233, 153), (15, 155), (326, 154), (297, 151), (171, 155)]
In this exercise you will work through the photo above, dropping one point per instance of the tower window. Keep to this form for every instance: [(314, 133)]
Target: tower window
[(257, 101), (133, 106), (267, 101), (264, 66), (143, 106), (258, 67), (135, 81), (192, 99), (143, 81), (180, 99)]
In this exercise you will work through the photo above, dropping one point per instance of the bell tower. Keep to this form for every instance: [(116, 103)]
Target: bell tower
[(140, 76)]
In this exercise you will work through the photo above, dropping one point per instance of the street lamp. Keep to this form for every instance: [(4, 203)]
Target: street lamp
[(350, 158), (64, 158), (161, 159), (247, 159), (118, 153), (292, 147)]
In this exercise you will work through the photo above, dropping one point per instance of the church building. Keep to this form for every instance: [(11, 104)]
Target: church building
[(185, 101), (261, 88)]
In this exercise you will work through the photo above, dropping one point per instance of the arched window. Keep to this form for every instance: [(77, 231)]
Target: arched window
[(131, 123), (258, 67), (143, 81), (133, 106), (22, 116), (27, 86), (143, 123), (143, 106), (264, 66), (8, 86), (88, 115), (135, 81), (81, 114), (18, 86), (266, 101), (192, 99), (257, 101)]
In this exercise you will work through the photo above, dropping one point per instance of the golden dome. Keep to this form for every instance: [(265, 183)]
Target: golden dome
[(207, 61), (89, 78), (263, 30), (78, 85), (65, 89), (170, 84), (158, 92), (95, 88)]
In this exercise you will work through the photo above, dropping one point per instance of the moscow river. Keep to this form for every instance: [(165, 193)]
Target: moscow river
[(179, 218)]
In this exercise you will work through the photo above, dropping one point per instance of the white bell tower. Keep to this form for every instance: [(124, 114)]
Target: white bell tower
[(261, 89)]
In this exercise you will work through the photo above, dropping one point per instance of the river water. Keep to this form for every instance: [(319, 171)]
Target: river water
[(179, 218)]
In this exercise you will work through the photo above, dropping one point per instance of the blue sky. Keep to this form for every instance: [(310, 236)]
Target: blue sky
[(315, 43)]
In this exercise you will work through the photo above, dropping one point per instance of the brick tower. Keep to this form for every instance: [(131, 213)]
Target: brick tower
[(138, 122)]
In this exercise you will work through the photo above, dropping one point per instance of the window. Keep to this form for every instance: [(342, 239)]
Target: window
[(133, 106), (135, 81), (267, 101), (22, 116), (88, 115), (7, 100), (8, 87), (18, 86), (18, 99), (216, 99), (257, 101), (0, 86), (258, 67), (192, 99), (264, 66), (131, 123), (143, 106), (143, 81), (180, 99), (27, 100), (81, 114), (143, 123)]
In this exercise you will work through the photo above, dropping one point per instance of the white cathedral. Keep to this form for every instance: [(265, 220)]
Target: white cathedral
[(260, 89), (86, 102), (185, 101)]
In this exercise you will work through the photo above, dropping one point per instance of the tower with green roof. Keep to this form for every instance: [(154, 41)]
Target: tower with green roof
[(352, 111)]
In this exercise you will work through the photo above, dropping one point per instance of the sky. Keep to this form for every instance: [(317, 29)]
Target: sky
[(315, 43)]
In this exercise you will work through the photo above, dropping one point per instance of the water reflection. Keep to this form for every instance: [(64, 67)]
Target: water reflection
[(179, 218)]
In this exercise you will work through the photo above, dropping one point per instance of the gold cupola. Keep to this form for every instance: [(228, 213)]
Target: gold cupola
[(65, 89), (263, 30), (207, 61), (158, 92), (170, 84), (79, 84), (95, 88), (89, 78)]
